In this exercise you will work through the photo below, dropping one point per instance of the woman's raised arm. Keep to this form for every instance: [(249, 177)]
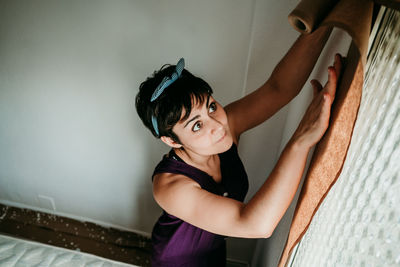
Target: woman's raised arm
[(285, 82)]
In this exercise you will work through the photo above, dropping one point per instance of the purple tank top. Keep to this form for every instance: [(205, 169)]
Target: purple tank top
[(178, 243)]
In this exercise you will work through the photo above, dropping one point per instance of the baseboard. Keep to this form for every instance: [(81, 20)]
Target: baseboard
[(78, 218)]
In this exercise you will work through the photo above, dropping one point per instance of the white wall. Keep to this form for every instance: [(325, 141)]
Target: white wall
[(69, 73)]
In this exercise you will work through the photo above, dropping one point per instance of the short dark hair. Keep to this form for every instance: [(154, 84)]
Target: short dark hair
[(167, 108)]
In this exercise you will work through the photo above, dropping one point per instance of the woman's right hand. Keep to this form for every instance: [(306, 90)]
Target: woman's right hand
[(316, 118)]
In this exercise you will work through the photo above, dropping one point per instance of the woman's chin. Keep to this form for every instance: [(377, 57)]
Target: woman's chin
[(225, 143)]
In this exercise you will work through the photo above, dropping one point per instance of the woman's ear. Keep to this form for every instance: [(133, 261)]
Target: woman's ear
[(170, 142)]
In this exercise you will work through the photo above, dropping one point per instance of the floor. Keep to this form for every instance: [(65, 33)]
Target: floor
[(68, 233)]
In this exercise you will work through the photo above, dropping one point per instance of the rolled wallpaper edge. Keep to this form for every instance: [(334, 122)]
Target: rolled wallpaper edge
[(308, 14)]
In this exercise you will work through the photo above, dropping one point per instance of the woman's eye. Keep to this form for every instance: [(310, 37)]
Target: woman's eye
[(212, 107), (197, 126)]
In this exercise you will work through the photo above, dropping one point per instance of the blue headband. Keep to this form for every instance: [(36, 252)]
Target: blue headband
[(167, 81)]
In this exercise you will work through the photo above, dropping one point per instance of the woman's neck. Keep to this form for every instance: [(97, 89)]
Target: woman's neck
[(197, 160)]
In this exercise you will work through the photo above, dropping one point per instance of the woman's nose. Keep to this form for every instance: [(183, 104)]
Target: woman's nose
[(216, 126)]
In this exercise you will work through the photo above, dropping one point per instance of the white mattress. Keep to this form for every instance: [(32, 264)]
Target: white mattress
[(21, 253)]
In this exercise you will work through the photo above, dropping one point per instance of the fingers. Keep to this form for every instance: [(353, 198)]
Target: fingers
[(330, 86), (338, 63), (317, 87), (334, 73), (326, 110), (332, 81)]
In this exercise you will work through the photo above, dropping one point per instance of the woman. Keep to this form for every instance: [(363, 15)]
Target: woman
[(201, 183)]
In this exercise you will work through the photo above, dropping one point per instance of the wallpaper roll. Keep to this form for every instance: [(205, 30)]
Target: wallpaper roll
[(309, 13), (353, 16)]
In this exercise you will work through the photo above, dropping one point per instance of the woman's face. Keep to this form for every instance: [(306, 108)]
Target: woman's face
[(206, 130)]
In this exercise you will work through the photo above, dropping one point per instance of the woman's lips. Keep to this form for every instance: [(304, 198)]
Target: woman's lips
[(222, 137)]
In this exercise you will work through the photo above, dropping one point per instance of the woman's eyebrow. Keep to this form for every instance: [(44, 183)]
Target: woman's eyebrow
[(192, 119), (197, 116)]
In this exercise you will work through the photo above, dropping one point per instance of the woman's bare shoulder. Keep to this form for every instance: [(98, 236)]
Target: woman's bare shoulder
[(166, 185), (165, 179)]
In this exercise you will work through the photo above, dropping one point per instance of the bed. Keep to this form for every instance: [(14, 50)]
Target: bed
[(22, 253)]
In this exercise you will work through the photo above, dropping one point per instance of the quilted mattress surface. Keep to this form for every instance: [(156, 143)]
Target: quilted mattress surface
[(22, 253)]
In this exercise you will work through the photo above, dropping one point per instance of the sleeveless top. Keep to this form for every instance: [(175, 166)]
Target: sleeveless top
[(178, 243)]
